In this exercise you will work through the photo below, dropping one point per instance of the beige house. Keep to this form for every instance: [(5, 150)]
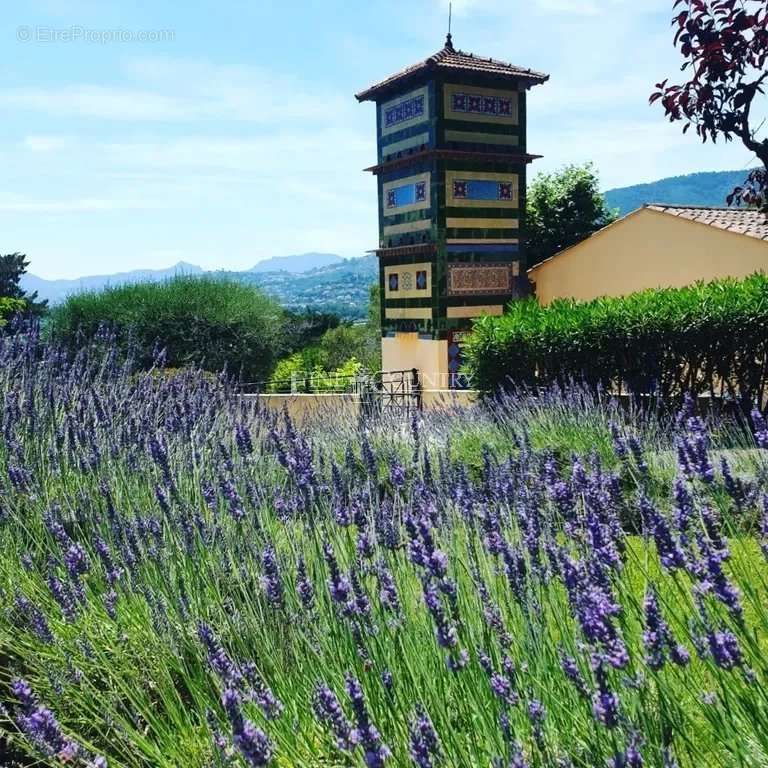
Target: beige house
[(657, 247)]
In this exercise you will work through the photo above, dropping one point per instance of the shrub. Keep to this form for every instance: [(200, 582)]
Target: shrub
[(9, 307), (205, 321), (706, 338)]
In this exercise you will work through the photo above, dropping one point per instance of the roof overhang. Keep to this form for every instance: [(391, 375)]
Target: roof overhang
[(452, 154)]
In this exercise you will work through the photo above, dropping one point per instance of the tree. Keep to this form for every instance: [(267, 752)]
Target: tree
[(563, 209), (207, 321), (724, 44), (12, 267)]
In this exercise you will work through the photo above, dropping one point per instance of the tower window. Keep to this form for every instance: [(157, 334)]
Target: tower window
[(421, 279), (394, 282)]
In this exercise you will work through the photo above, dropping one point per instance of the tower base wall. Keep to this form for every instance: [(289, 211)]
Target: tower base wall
[(405, 351)]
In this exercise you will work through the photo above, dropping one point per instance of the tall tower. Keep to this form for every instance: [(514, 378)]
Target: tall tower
[(451, 173)]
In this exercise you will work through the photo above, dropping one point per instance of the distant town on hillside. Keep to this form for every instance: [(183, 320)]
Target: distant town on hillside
[(326, 282)]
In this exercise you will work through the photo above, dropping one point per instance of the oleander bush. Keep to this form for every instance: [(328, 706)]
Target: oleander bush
[(709, 338), (187, 579)]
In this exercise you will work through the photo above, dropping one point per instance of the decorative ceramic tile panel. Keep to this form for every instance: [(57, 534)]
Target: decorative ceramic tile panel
[(479, 279), (407, 281), (481, 105), (404, 111), (467, 189), (480, 189), (403, 195), (487, 105)]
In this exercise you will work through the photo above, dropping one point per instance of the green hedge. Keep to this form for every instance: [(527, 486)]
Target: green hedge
[(210, 322), (707, 338)]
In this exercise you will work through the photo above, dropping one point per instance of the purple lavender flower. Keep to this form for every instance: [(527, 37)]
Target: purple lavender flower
[(338, 584), (693, 448), (376, 752), (233, 498), (40, 726), (63, 595), (76, 560), (605, 702), (261, 693), (218, 658), (111, 569), (34, 618), (273, 585), (619, 443), (712, 577), (631, 757), (243, 439), (573, 673), (253, 744), (304, 586), (397, 474), (760, 427), (637, 454), (328, 710), (358, 606), (725, 649), (657, 636), (670, 552), (764, 527), (447, 636), (425, 744), (388, 589), (536, 714)]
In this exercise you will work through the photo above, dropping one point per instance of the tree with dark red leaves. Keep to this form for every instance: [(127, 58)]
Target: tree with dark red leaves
[(725, 47)]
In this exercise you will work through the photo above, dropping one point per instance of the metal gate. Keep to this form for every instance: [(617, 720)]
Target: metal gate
[(395, 392)]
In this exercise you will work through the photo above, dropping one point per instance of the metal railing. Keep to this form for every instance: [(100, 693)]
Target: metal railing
[(390, 390)]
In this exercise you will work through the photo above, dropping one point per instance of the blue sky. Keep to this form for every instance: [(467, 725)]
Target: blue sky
[(237, 136)]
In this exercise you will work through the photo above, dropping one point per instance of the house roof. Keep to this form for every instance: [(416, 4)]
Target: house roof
[(449, 59), (740, 221)]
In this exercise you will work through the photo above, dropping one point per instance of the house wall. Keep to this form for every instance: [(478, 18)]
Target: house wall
[(647, 249)]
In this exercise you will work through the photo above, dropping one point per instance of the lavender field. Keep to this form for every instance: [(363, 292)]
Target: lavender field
[(187, 580)]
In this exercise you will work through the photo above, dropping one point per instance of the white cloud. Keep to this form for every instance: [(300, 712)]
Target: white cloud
[(168, 90), (68, 206), (45, 143)]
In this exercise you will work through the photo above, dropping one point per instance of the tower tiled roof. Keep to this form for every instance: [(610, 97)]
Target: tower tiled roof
[(449, 59), (742, 221)]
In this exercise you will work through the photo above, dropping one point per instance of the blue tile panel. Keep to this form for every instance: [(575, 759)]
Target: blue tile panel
[(482, 190), (405, 111), (408, 194), (477, 104)]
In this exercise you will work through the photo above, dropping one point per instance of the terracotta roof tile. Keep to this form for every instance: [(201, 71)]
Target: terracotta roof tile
[(448, 58), (742, 221)]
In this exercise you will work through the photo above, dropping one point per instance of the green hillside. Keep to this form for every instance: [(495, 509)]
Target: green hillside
[(338, 288), (695, 189)]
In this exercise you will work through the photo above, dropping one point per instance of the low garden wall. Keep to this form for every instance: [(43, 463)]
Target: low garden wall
[(302, 406)]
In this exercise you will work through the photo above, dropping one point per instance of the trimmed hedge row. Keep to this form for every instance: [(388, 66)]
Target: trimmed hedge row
[(709, 338)]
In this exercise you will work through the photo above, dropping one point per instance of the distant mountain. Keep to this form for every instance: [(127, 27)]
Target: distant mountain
[(298, 264), (55, 291), (695, 189), (327, 283)]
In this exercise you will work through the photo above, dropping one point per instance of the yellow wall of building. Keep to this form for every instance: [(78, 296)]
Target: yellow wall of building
[(406, 350), (647, 249)]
